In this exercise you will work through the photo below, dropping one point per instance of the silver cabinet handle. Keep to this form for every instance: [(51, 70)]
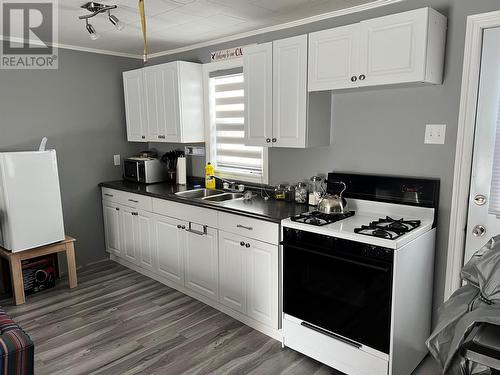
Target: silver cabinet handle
[(243, 227), (135, 213), (109, 195), (133, 200), (198, 232)]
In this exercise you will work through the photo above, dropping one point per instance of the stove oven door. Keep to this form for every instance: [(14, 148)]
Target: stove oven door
[(342, 287)]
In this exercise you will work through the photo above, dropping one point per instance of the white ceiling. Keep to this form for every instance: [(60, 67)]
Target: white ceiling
[(174, 24)]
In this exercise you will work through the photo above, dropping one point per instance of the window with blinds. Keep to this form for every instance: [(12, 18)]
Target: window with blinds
[(231, 155)]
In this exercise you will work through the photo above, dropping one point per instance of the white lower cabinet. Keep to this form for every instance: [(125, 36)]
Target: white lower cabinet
[(201, 261), (144, 239), (128, 234), (232, 271), (248, 272), (234, 268), (262, 282), (111, 213), (169, 245)]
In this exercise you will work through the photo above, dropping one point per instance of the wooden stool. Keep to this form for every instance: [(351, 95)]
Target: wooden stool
[(16, 271)]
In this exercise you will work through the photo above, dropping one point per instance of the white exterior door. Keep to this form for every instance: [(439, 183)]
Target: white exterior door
[(290, 92), (258, 74), (232, 271), (128, 234), (111, 213), (133, 88), (144, 237), (162, 103), (201, 260), (169, 246), (262, 282), (481, 224), (393, 48), (333, 58)]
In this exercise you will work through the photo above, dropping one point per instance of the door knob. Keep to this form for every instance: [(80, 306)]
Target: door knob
[(268, 140), (478, 231), (274, 140), (362, 77), (242, 243), (354, 79), (480, 199)]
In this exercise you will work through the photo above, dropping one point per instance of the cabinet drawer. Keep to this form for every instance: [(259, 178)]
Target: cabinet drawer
[(136, 201), (248, 227), (128, 199), (111, 195), (185, 212)]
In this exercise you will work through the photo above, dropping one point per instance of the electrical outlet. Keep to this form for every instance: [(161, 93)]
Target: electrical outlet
[(434, 134), (116, 160)]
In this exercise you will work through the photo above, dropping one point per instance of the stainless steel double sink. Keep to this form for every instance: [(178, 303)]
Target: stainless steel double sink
[(208, 195)]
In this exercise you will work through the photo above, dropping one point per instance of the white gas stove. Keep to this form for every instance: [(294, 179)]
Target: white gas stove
[(357, 287)]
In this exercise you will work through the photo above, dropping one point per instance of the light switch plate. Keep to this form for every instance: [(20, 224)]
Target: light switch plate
[(116, 160), (435, 134)]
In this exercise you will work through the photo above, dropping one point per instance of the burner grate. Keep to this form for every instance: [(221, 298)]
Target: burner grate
[(318, 218), (388, 228)]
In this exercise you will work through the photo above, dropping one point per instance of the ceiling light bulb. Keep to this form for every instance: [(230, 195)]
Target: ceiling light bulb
[(115, 21), (92, 32)]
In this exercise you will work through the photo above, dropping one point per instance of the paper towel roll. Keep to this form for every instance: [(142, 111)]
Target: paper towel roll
[(181, 170)]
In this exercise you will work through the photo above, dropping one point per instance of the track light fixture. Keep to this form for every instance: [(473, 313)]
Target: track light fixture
[(95, 9), (91, 30)]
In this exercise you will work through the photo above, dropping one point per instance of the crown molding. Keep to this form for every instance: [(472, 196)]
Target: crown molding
[(75, 48), (282, 26)]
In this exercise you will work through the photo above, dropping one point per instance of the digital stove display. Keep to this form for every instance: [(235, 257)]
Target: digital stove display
[(318, 218), (388, 228)]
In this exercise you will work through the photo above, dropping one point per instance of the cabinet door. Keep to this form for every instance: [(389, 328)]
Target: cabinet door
[(232, 271), (162, 102), (258, 73), (262, 282), (393, 48), (333, 58), (290, 92), (128, 234), (134, 105), (169, 246), (111, 213), (201, 260), (144, 237)]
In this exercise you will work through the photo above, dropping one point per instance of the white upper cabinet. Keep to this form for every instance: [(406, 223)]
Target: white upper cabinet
[(277, 105), (401, 48), (333, 58), (162, 103), (167, 100), (133, 87), (290, 92), (258, 71)]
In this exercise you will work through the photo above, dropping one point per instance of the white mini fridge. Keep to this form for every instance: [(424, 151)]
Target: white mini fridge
[(30, 200)]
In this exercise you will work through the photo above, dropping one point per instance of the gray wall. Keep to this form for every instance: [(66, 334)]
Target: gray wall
[(382, 130), (80, 109)]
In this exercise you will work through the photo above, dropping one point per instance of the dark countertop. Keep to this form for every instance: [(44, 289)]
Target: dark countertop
[(257, 207)]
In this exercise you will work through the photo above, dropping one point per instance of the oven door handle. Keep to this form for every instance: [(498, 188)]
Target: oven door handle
[(378, 268)]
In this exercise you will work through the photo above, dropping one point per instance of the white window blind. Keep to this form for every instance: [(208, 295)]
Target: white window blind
[(232, 157), (494, 206)]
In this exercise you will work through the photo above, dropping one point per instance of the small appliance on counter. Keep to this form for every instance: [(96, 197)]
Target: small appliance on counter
[(144, 168)]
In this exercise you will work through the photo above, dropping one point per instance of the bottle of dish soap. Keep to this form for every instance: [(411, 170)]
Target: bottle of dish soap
[(209, 173)]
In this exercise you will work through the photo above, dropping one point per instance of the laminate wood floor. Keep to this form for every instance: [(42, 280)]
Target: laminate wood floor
[(120, 322)]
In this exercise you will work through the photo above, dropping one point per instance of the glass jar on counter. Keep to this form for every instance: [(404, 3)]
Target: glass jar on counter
[(289, 193), (315, 190), (301, 193), (279, 193)]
